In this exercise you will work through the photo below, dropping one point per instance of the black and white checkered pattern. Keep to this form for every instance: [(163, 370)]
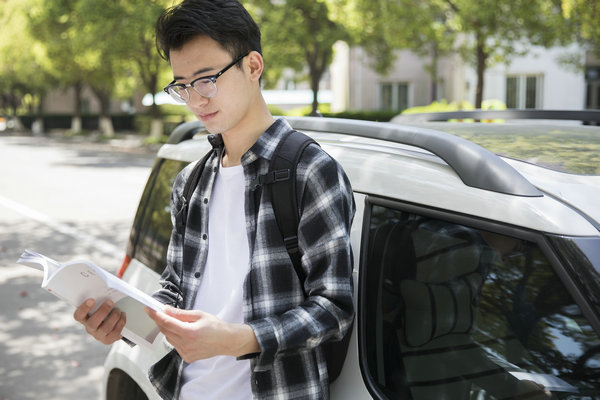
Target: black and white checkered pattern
[(289, 327)]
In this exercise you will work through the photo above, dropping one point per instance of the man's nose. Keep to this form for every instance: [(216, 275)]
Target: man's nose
[(196, 100)]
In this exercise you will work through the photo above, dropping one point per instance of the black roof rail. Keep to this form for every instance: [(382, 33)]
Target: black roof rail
[(565, 115), (185, 131), (476, 166)]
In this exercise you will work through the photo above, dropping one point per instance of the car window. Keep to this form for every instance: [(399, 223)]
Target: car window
[(152, 226), (453, 312)]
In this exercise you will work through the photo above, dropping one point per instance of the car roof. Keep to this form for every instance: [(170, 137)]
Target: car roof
[(567, 147), (434, 169)]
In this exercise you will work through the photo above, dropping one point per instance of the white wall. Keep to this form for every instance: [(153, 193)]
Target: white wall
[(363, 82), (563, 85), (358, 89)]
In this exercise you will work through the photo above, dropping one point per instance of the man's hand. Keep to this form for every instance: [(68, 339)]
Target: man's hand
[(105, 324), (197, 335)]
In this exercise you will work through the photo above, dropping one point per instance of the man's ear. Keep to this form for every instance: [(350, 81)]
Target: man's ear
[(255, 65)]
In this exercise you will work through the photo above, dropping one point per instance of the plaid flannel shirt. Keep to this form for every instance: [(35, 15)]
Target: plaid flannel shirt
[(289, 327)]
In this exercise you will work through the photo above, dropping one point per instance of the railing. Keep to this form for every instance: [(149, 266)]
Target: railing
[(476, 166), (564, 115)]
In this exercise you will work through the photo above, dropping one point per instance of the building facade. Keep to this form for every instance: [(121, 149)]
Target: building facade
[(541, 79)]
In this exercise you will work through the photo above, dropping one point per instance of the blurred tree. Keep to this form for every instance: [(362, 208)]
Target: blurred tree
[(383, 26), (585, 15), (109, 48), (138, 43), (24, 81), (55, 25), (295, 34), (482, 32), (80, 47), (497, 31), (124, 54)]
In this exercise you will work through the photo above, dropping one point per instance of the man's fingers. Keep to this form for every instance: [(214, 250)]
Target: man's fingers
[(110, 323), (173, 328), (81, 312), (163, 321), (115, 333), (183, 315), (94, 321), (104, 324)]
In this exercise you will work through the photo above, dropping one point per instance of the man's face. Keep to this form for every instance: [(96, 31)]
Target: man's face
[(201, 57)]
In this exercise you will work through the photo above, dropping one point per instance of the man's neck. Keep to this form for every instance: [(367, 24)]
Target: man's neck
[(239, 140)]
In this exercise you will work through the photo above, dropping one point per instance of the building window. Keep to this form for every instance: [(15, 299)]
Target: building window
[(394, 96), (524, 91)]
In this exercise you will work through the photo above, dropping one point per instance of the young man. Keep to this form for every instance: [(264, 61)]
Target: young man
[(247, 326)]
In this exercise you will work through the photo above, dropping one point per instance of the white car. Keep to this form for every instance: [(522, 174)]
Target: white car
[(476, 275)]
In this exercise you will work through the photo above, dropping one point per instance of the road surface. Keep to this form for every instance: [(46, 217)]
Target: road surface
[(65, 200)]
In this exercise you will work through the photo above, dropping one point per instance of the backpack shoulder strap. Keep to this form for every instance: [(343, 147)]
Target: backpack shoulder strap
[(282, 172), (282, 181), (188, 191)]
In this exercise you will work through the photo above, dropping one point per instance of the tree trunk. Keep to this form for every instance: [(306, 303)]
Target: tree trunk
[(156, 126), (14, 102), (104, 123), (317, 62), (106, 126), (76, 124), (482, 56), (434, 73), (314, 84), (37, 127)]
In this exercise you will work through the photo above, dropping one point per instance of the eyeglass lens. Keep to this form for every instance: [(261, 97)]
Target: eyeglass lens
[(204, 87)]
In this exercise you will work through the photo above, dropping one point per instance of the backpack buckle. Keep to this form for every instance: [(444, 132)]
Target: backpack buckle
[(271, 177), (291, 244), (281, 175)]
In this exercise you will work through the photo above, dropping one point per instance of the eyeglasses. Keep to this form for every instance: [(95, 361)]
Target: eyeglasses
[(205, 86)]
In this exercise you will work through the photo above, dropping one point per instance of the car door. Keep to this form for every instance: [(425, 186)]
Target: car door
[(455, 307)]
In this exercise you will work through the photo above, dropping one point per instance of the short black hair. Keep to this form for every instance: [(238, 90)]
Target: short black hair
[(227, 22)]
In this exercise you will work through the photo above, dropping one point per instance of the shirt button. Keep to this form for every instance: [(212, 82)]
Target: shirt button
[(215, 169), (204, 236), (197, 274), (205, 201)]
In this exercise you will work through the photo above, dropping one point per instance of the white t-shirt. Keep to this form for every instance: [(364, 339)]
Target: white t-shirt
[(221, 290)]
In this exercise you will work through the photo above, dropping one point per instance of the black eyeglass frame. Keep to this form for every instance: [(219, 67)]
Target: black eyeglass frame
[(212, 78)]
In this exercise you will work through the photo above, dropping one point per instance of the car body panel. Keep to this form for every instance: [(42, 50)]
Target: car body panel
[(580, 191)]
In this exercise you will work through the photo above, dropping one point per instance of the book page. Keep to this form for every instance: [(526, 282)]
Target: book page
[(139, 327), (77, 281), (41, 262)]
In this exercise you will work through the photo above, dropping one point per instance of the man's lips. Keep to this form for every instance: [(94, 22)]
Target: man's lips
[(207, 116)]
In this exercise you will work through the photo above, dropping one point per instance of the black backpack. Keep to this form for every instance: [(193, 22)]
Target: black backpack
[(281, 179)]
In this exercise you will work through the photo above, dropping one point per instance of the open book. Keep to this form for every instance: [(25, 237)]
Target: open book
[(77, 281)]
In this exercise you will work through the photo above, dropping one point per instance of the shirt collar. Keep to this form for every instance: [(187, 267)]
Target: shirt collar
[(267, 142), (264, 147)]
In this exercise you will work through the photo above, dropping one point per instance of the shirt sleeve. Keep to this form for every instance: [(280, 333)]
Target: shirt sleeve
[(326, 213)]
